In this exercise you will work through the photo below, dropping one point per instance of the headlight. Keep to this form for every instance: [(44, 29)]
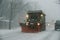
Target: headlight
[(27, 23), (38, 24), (48, 24), (27, 16), (41, 15)]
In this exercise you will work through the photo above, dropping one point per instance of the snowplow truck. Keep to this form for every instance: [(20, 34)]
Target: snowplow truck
[(35, 22)]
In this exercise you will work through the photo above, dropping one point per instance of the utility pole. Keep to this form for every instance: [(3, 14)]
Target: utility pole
[(11, 15)]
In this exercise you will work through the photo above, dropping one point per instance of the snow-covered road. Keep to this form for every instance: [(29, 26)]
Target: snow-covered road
[(55, 36), (44, 35)]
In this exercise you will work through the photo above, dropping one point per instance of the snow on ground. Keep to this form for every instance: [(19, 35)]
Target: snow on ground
[(16, 34), (28, 36), (6, 32), (55, 36)]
